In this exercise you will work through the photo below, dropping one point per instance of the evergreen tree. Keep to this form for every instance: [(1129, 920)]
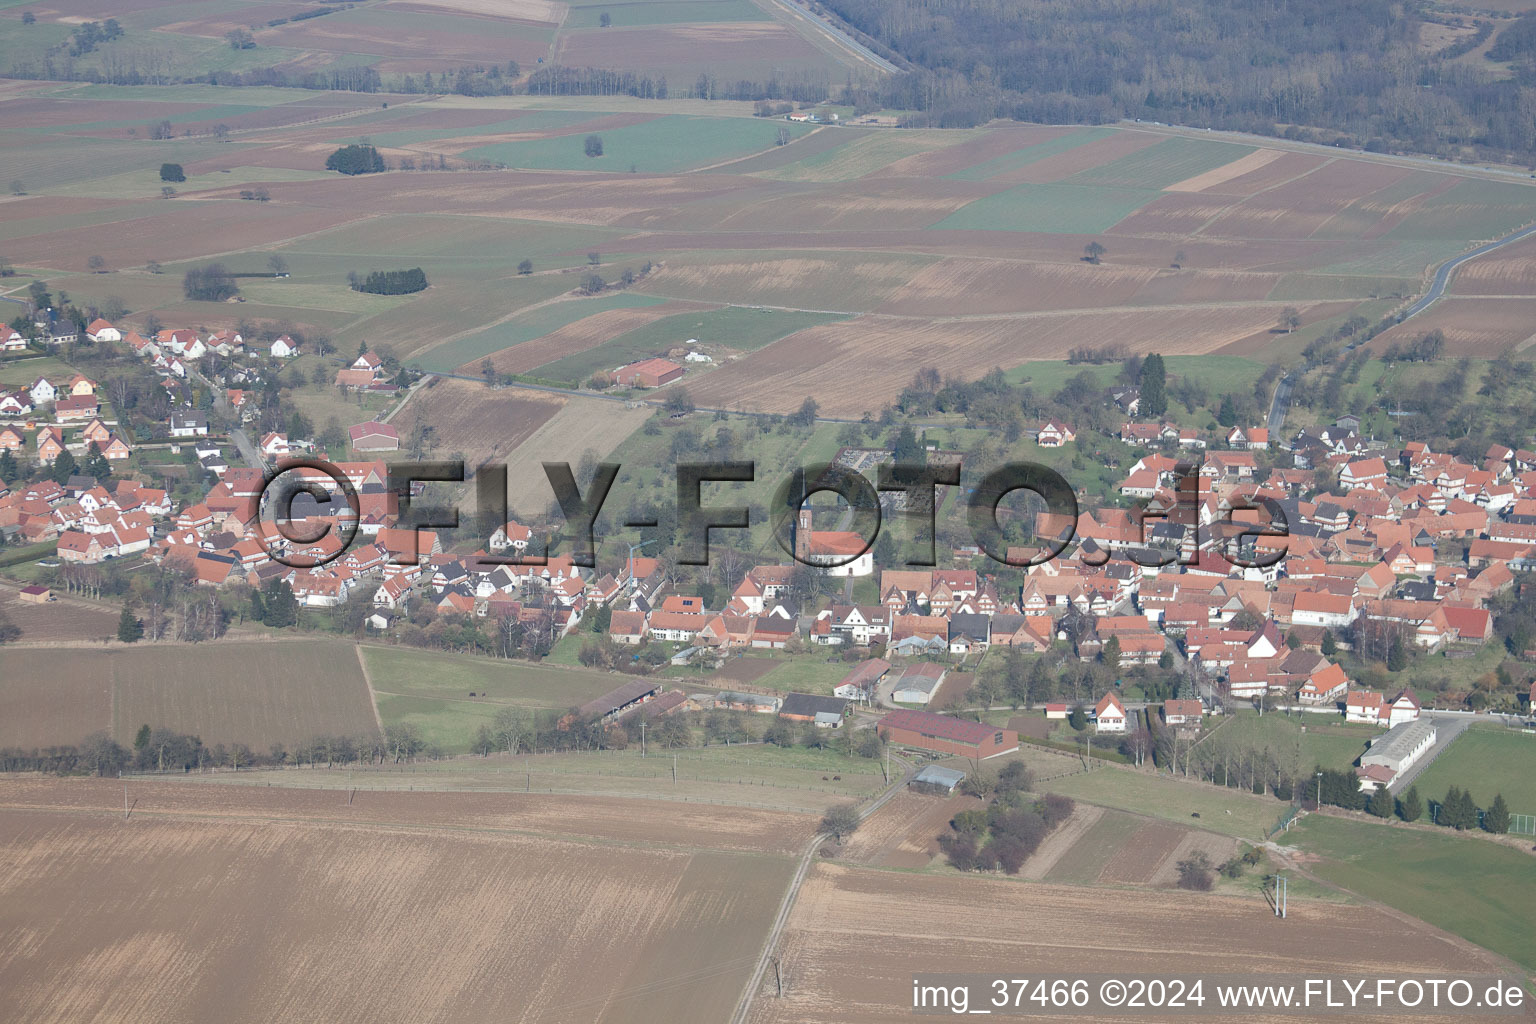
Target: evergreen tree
[(279, 606), (64, 467), (129, 629), (1380, 803), (1330, 646), (1497, 818), (1411, 806), (1458, 811), (908, 449), (1154, 387), (356, 159), (141, 738), (1397, 656), (1226, 413), (1110, 654), (8, 470)]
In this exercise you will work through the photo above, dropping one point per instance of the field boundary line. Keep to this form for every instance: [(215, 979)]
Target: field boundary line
[(373, 697)]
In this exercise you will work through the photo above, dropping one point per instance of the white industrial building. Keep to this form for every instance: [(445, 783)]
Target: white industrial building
[(1394, 752)]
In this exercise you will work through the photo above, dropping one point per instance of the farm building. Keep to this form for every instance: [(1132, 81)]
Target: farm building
[(827, 712), (662, 705), (1396, 751), (758, 703), (860, 682), (36, 594), (919, 683), (648, 373), (937, 781), (941, 734), (1057, 711), (611, 704), (374, 436)]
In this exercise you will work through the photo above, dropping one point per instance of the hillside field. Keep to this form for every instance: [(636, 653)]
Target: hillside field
[(872, 251)]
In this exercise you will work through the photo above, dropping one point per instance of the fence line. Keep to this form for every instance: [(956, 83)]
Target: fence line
[(1519, 824)]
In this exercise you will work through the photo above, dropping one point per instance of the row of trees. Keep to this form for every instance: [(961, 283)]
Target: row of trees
[(358, 158), (209, 283), (389, 282)]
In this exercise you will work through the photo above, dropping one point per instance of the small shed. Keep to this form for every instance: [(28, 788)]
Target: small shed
[(937, 781), (36, 594)]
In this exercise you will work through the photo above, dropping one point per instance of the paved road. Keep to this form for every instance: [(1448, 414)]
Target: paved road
[(248, 450), (795, 10), (1282, 400), (1443, 275)]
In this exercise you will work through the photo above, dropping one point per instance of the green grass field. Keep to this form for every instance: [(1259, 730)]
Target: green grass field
[(1056, 208), (432, 691), (867, 151), (1221, 810), (806, 675), (1029, 154), (527, 326), (406, 672), (631, 13), (1486, 761), (1471, 210), (1318, 740), (516, 121), (671, 143), (737, 327), (1477, 889), (1163, 164)]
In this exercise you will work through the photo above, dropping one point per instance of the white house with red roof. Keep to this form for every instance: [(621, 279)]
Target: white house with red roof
[(1109, 714), (275, 445), (101, 330), (512, 535), (1054, 434)]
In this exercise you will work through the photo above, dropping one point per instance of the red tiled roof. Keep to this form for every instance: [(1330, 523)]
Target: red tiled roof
[(941, 727)]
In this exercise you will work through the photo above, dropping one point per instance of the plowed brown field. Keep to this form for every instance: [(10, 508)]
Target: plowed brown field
[(858, 935), (220, 917), (480, 424), (1479, 327), (857, 365)]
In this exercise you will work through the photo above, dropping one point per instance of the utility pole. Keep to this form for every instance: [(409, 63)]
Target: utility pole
[(125, 801), (778, 979), (1319, 790), (642, 737), (674, 769)]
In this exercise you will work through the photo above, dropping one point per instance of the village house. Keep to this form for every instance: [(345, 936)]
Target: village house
[(1109, 715)]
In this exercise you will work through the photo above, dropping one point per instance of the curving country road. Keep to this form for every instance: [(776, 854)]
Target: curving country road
[(1443, 275), (1282, 400)]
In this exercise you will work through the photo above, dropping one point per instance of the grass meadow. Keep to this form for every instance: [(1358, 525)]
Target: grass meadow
[(1480, 890)]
